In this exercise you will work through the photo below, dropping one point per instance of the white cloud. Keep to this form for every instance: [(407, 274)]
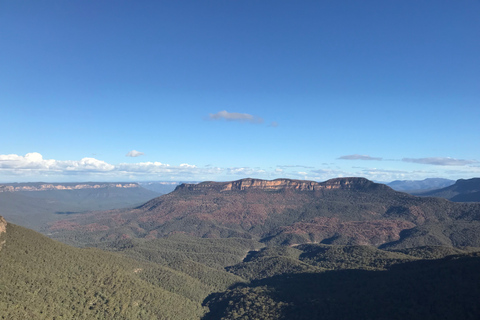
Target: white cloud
[(34, 162), (439, 161), (234, 116), (134, 153), (33, 167), (358, 157)]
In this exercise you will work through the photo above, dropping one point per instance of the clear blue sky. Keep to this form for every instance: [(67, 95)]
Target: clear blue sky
[(222, 90)]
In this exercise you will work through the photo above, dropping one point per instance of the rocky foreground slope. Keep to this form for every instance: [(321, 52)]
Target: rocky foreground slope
[(287, 212)]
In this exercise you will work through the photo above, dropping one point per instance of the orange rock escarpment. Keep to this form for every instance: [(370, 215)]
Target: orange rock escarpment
[(278, 184), (3, 229), (3, 225)]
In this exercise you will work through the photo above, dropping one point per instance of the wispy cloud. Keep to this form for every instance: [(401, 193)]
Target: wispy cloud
[(273, 124), (358, 157), (294, 166), (234, 116), (245, 171), (439, 161), (134, 153)]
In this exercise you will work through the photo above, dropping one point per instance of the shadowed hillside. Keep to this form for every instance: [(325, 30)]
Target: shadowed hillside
[(436, 289)]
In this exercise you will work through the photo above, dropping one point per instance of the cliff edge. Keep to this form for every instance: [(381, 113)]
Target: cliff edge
[(280, 184), (3, 230)]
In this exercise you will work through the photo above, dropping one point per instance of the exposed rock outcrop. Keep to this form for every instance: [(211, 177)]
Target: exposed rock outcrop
[(3, 229), (3, 225), (281, 184)]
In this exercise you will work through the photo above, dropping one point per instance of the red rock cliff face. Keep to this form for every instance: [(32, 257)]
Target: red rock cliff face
[(3, 225), (280, 184), (3, 229)]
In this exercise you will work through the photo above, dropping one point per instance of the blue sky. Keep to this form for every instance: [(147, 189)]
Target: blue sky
[(223, 90)]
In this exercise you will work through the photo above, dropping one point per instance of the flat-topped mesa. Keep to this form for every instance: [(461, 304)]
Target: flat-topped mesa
[(63, 186), (278, 184)]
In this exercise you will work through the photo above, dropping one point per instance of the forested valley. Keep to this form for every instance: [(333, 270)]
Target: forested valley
[(204, 258)]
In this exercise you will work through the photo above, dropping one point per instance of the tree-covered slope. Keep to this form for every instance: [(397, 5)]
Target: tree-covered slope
[(44, 279)]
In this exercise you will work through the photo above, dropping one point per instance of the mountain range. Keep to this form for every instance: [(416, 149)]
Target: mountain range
[(416, 186), (342, 211)]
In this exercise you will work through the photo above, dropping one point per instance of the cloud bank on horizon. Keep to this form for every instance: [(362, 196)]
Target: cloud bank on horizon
[(439, 161), (33, 167)]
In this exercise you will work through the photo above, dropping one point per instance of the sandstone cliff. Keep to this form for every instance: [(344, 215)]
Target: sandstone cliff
[(281, 184), (3, 225), (3, 229)]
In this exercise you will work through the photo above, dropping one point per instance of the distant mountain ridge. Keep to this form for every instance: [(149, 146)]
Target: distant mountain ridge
[(34, 204), (411, 186), (464, 190), (41, 186)]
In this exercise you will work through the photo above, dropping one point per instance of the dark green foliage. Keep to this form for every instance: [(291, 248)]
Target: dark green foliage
[(435, 252), (271, 261), (245, 303), (202, 259), (350, 257), (435, 289), (449, 234), (265, 267)]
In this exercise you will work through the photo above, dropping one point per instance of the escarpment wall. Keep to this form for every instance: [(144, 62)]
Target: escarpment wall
[(280, 184)]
